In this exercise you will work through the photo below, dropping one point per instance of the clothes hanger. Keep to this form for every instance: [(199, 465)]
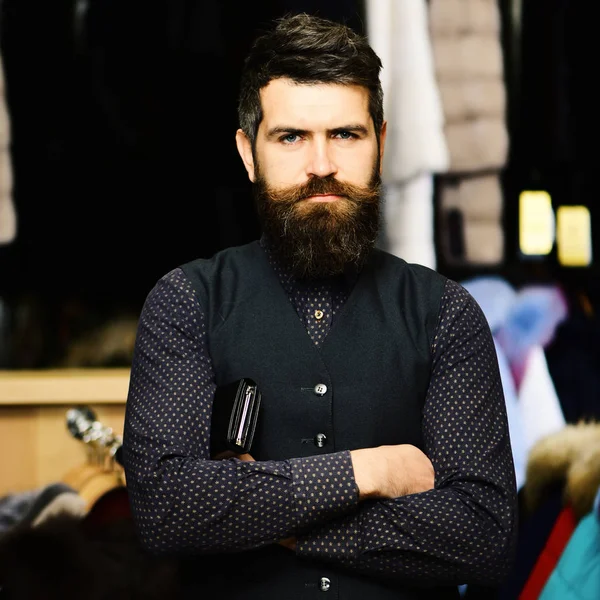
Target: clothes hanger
[(100, 473)]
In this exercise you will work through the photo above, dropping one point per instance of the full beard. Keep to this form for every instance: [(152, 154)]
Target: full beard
[(320, 239)]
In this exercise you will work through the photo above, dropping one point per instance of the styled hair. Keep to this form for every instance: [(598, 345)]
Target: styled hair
[(308, 49)]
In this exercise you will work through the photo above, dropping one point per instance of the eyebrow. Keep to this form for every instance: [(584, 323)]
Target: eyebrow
[(276, 131)]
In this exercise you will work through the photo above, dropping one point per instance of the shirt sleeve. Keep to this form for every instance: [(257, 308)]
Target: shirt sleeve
[(183, 502), (462, 531)]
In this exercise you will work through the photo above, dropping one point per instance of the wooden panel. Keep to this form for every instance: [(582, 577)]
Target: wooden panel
[(18, 449), (64, 386)]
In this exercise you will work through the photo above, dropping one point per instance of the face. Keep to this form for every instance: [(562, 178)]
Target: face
[(316, 169)]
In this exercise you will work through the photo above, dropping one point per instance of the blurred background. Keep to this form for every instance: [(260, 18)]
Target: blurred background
[(118, 163), (122, 115)]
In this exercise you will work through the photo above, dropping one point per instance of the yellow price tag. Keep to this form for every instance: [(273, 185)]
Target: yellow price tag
[(536, 223), (574, 236)]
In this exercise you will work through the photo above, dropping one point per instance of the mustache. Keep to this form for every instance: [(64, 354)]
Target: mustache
[(317, 186)]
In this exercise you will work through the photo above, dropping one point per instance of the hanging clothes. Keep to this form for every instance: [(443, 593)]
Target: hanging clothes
[(68, 557), (408, 230), (540, 406), (415, 146), (561, 489), (522, 322), (33, 507), (569, 459), (469, 70), (560, 535), (477, 200), (8, 215), (577, 573), (516, 424), (574, 363)]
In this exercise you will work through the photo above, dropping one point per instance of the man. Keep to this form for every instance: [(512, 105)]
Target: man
[(382, 467)]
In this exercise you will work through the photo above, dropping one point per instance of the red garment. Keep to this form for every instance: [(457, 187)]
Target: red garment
[(111, 507), (559, 536)]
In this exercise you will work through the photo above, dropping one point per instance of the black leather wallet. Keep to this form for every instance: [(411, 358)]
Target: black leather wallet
[(234, 417)]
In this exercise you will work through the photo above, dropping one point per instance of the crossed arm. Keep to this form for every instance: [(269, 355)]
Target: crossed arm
[(183, 502)]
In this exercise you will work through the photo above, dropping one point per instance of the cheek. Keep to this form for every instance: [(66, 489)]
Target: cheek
[(357, 167), (282, 169)]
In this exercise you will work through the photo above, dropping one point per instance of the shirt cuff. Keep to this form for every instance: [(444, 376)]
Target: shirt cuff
[(337, 542), (323, 488)]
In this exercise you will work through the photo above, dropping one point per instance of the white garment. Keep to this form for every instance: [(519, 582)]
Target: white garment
[(408, 217), (514, 416), (541, 411), (8, 215), (398, 31)]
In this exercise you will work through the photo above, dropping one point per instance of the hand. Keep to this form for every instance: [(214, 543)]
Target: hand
[(391, 471), (245, 457), (230, 454), (288, 543)]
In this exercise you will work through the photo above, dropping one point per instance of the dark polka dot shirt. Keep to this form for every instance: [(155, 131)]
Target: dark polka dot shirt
[(182, 502)]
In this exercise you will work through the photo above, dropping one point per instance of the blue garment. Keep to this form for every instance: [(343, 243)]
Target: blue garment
[(577, 573)]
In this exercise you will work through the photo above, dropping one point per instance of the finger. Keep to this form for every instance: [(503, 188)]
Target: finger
[(224, 454), (288, 543), (245, 457)]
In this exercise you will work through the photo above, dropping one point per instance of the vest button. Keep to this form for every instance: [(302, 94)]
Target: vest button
[(320, 389), (324, 584), (320, 440)]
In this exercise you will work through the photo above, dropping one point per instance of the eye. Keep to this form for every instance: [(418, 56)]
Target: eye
[(346, 135), (290, 138)]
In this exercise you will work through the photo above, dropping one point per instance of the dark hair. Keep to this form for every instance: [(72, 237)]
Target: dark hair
[(308, 49)]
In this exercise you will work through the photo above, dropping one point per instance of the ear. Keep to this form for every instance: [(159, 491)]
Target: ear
[(382, 137), (244, 147)]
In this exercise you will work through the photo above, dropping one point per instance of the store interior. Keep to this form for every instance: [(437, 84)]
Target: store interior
[(119, 164)]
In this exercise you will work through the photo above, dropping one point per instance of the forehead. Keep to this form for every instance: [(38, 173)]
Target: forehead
[(310, 106)]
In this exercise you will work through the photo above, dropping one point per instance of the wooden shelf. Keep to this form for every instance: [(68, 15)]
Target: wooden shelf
[(33, 433), (64, 387)]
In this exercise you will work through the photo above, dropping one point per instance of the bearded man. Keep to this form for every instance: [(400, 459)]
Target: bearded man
[(382, 466)]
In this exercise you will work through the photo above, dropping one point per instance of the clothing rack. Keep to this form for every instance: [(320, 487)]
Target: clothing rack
[(33, 405)]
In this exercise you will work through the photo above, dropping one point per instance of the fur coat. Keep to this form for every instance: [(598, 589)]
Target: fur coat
[(569, 459), (67, 557)]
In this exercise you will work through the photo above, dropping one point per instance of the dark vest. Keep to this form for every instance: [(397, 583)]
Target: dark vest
[(364, 386)]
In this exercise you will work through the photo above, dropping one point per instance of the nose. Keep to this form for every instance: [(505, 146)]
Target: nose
[(321, 163)]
